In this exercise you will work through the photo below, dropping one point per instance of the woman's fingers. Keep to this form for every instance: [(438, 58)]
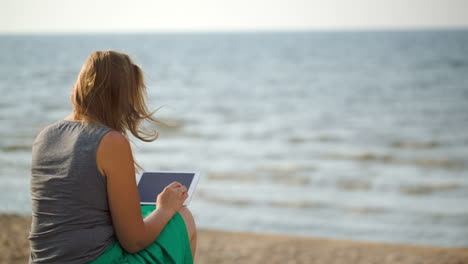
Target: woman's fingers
[(174, 185), (178, 187), (181, 190)]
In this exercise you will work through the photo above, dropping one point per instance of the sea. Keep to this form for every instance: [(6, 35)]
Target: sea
[(359, 135)]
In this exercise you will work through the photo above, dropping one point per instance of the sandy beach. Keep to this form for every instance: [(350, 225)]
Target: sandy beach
[(236, 247)]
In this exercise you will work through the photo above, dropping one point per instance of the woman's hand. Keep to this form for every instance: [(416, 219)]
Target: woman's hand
[(172, 197)]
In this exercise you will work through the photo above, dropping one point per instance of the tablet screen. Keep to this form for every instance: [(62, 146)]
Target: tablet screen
[(153, 183)]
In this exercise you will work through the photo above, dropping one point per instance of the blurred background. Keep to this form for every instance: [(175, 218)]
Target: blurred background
[(332, 119)]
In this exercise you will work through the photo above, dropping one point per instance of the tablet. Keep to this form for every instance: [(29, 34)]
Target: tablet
[(150, 184)]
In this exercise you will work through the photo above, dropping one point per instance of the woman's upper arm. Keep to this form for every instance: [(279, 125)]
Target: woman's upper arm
[(115, 160)]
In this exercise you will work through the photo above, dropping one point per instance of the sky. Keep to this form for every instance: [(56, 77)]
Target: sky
[(227, 15)]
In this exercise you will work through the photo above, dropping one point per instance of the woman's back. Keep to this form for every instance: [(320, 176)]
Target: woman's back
[(71, 221), (85, 201)]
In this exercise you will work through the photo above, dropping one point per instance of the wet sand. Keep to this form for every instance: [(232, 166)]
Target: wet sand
[(235, 247)]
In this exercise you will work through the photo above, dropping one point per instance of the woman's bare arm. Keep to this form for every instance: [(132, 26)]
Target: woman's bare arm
[(115, 161)]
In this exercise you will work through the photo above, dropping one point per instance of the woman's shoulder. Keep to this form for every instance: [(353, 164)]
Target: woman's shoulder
[(114, 141), (113, 153), (65, 127), (47, 129), (115, 137)]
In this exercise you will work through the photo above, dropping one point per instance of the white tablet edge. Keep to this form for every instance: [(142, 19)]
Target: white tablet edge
[(191, 190)]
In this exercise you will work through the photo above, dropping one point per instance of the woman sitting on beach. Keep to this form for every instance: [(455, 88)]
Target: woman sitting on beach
[(85, 203)]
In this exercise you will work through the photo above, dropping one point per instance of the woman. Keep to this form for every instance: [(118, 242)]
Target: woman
[(85, 203)]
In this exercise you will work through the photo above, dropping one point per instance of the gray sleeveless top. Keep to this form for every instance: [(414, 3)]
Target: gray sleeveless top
[(71, 221)]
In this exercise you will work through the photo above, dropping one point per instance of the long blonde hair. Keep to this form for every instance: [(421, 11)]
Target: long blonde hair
[(110, 90)]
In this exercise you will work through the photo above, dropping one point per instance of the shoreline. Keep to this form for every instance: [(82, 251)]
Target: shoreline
[(325, 239), (217, 246)]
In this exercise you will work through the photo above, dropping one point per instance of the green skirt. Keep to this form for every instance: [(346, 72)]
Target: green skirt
[(171, 246)]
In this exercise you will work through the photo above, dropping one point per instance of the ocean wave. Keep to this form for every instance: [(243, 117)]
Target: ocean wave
[(360, 156), (426, 189), (244, 202), (286, 168), (353, 185), (173, 125), (289, 174), (290, 180), (281, 178), (299, 139), (180, 128), (365, 210), (415, 144), (229, 176), (296, 204), (421, 162), (16, 148), (213, 199), (237, 202)]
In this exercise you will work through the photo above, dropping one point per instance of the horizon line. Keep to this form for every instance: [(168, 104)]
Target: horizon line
[(239, 30)]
